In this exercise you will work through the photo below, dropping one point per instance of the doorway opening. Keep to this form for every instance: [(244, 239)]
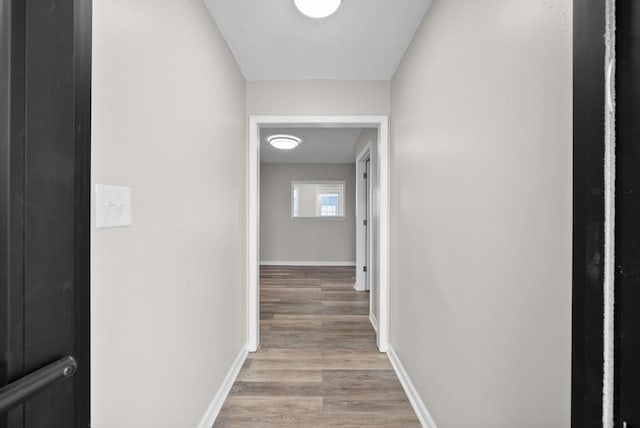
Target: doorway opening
[(366, 226), (363, 219), (379, 306)]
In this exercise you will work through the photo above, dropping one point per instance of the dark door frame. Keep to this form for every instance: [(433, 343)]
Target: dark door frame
[(588, 212), (588, 360), (45, 45), (626, 378)]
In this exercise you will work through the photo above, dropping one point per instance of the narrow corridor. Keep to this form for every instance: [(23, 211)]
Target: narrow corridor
[(318, 364)]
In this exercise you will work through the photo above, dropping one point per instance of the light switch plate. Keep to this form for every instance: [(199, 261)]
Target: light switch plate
[(113, 206)]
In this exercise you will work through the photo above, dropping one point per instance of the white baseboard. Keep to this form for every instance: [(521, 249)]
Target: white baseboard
[(374, 322), (211, 414), (418, 405), (359, 287), (305, 263)]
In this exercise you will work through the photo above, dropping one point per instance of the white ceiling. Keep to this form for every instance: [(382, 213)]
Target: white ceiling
[(363, 40), (319, 145)]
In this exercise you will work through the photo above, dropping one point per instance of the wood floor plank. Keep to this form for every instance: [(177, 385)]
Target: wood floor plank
[(286, 354), (270, 411), (318, 364), (280, 375), (275, 389), (270, 402)]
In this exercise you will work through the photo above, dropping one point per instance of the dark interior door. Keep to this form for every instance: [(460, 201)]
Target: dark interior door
[(588, 213), (44, 204), (627, 304)]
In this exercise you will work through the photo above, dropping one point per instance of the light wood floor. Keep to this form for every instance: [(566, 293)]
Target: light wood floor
[(318, 365)]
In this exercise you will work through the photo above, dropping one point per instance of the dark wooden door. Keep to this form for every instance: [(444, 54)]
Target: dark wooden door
[(45, 91), (627, 248)]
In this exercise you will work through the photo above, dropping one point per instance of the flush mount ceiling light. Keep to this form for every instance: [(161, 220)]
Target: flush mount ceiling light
[(317, 8), (284, 142)]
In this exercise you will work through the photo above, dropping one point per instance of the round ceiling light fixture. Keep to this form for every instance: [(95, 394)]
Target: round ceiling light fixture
[(284, 142), (317, 8)]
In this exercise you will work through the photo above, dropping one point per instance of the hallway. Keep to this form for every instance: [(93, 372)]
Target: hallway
[(318, 364), (478, 263)]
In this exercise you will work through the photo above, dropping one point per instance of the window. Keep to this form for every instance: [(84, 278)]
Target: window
[(328, 204), (317, 199), (295, 202)]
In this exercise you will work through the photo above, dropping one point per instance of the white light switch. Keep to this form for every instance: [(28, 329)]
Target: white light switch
[(113, 206)]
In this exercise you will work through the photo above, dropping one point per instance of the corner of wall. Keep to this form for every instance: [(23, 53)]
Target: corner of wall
[(412, 393), (209, 418)]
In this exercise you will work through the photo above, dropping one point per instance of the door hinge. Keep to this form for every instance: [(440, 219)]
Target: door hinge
[(364, 268), (365, 175), (364, 222)]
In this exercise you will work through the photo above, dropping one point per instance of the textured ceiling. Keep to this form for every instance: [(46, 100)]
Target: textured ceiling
[(363, 40), (319, 145)]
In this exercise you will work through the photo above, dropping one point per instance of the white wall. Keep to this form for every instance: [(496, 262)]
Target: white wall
[(302, 239), (481, 112), (318, 97), (168, 293)]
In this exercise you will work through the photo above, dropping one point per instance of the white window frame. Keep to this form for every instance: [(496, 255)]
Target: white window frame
[(334, 186)]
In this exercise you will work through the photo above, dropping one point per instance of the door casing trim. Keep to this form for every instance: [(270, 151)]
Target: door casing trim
[(362, 199), (381, 123)]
